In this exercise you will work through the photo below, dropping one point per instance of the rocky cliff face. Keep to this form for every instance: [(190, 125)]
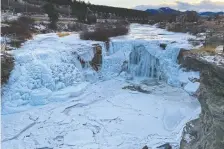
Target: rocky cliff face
[(207, 132)]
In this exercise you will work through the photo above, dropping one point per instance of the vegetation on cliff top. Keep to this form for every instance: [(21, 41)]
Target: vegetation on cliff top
[(103, 32)]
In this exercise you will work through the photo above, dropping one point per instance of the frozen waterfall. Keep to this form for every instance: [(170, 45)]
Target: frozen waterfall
[(48, 64), (55, 99), (143, 64)]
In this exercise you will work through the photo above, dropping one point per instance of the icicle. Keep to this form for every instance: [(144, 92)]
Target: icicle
[(143, 64)]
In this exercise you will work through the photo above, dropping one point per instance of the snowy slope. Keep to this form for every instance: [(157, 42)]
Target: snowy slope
[(99, 113)]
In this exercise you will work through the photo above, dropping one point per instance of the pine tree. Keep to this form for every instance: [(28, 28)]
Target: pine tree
[(79, 10), (53, 15)]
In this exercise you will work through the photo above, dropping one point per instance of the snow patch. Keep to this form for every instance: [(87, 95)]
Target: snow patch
[(191, 88), (216, 59)]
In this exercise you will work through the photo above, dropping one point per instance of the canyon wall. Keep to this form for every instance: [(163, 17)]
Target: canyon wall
[(207, 132)]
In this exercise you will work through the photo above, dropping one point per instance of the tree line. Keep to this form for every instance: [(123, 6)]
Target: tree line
[(79, 9)]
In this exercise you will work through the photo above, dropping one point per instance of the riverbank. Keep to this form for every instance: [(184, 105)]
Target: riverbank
[(206, 131)]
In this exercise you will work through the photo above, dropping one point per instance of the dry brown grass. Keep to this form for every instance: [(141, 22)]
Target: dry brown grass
[(61, 34), (207, 49), (21, 27)]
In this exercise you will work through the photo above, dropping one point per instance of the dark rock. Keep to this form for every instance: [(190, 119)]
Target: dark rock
[(97, 59), (163, 46), (165, 146), (190, 134), (45, 148), (7, 64), (150, 82), (161, 25), (137, 88), (107, 45), (193, 80), (180, 57), (124, 67), (145, 147), (195, 42)]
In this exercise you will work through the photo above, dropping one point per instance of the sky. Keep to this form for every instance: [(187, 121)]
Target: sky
[(198, 5)]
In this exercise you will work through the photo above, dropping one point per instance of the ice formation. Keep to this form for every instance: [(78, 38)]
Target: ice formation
[(43, 66), (97, 112), (142, 63), (49, 63)]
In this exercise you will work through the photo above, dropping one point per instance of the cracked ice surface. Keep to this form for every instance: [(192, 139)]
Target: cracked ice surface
[(105, 116), (93, 115)]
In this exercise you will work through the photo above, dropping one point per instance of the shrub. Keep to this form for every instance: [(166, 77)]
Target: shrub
[(21, 27), (104, 31), (79, 11), (77, 27), (176, 27), (53, 15), (26, 20), (19, 30), (191, 16), (91, 19)]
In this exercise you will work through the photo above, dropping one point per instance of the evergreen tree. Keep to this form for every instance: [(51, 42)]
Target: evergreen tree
[(53, 15), (79, 10)]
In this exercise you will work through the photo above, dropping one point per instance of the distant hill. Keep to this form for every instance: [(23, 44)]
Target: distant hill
[(209, 13), (167, 10), (161, 10)]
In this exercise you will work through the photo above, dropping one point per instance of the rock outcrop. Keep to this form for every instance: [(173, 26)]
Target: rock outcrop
[(97, 59), (207, 132), (7, 64)]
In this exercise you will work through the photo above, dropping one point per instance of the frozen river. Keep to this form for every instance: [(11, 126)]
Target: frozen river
[(51, 102)]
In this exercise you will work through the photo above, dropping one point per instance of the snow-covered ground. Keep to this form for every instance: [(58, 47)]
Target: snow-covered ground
[(50, 101), (217, 58)]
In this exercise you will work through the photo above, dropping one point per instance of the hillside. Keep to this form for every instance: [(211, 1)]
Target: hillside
[(165, 10), (65, 7), (209, 13)]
